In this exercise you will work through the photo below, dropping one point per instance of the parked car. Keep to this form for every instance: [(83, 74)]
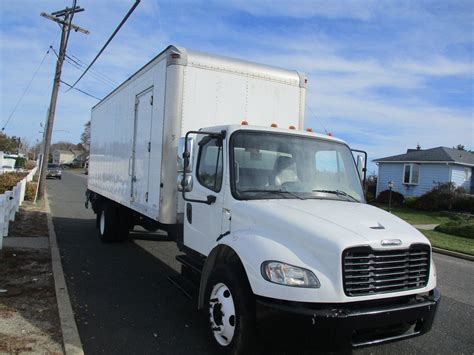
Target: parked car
[(54, 171)]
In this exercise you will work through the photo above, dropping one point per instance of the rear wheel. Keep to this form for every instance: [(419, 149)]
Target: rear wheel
[(113, 223), (231, 308)]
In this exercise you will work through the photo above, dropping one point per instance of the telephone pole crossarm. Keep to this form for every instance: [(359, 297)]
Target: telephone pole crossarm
[(64, 23)]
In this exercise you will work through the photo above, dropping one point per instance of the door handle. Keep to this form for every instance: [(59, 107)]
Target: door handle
[(211, 199)]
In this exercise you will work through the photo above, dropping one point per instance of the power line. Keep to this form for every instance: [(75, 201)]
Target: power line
[(85, 93), (108, 41), (82, 63), (77, 66), (26, 89), (317, 119), (96, 75)]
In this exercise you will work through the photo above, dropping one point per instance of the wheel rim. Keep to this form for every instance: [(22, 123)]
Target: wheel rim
[(102, 223), (222, 314)]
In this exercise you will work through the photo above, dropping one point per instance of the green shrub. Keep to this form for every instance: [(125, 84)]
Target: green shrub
[(20, 163), (9, 180), (441, 197), (369, 196), (30, 191), (459, 228), (410, 201), (464, 203), (384, 197)]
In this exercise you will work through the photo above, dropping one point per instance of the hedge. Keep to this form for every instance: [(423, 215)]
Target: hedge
[(459, 228), (9, 180)]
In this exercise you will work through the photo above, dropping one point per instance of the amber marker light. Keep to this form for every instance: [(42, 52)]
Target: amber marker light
[(274, 125)]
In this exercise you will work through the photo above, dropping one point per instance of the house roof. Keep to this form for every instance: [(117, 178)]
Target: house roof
[(438, 154)]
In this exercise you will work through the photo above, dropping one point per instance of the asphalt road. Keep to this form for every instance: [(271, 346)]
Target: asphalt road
[(123, 302)]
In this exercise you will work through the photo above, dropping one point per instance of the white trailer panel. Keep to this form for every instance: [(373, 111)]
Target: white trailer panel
[(135, 129)]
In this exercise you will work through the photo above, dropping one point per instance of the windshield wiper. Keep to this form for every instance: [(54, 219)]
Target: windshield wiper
[(339, 193), (281, 192)]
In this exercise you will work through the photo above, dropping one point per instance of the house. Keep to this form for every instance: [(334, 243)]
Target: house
[(419, 170), (7, 162), (63, 157), (79, 158)]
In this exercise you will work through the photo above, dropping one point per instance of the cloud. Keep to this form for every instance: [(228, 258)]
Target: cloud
[(349, 9)]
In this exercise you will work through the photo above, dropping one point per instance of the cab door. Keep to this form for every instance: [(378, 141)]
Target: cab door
[(202, 219)]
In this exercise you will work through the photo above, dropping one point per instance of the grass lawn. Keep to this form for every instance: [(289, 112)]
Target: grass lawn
[(450, 242), (418, 217)]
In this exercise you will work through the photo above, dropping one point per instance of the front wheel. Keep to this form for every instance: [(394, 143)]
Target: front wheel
[(231, 311)]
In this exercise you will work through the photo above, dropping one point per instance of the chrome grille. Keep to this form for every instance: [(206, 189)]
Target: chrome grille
[(367, 271)]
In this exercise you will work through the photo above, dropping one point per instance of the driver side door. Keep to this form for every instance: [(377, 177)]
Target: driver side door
[(203, 221)]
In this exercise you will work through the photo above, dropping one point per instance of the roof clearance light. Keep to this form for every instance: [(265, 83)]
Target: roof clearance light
[(274, 125), (291, 127), (329, 134), (244, 123), (309, 130)]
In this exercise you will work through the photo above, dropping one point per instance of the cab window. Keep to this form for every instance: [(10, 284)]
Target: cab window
[(209, 168)]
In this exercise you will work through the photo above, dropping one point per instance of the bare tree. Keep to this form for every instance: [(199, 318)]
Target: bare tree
[(86, 136)]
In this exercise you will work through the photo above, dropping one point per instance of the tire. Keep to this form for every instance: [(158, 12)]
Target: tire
[(112, 223), (231, 311)]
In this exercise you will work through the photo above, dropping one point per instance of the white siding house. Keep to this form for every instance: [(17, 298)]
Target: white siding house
[(63, 157), (418, 171)]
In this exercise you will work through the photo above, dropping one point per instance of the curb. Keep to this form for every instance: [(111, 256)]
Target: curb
[(453, 253), (71, 340)]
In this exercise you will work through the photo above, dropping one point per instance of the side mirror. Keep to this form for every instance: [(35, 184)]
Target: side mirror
[(186, 184), (180, 156), (360, 166)]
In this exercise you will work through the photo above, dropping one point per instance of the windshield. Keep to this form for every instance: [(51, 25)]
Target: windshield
[(271, 165), (53, 166)]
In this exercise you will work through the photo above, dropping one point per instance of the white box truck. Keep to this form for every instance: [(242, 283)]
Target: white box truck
[(271, 218)]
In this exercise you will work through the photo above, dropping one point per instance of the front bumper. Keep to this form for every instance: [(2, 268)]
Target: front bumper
[(53, 174), (351, 325)]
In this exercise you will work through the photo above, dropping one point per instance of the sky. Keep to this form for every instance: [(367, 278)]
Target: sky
[(383, 75)]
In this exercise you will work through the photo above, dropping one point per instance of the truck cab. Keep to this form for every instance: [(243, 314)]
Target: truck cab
[(277, 218)]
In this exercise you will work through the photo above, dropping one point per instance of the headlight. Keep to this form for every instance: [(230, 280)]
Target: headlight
[(289, 275)]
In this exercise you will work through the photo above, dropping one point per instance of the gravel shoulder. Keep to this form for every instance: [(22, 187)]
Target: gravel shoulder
[(29, 320)]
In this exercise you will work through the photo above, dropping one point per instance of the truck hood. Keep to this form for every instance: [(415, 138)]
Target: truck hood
[(336, 222)]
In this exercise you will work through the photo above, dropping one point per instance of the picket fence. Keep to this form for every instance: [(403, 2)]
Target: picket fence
[(10, 203)]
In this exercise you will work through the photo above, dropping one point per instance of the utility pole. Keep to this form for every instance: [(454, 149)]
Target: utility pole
[(63, 18)]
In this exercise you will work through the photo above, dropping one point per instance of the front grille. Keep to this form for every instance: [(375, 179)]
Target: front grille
[(369, 272)]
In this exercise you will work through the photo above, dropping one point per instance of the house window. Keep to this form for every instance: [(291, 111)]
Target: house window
[(411, 174)]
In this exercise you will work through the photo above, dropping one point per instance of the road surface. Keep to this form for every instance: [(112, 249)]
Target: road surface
[(123, 302)]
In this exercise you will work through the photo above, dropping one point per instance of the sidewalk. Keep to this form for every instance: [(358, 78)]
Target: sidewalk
[(426, 227), (29, 320)]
